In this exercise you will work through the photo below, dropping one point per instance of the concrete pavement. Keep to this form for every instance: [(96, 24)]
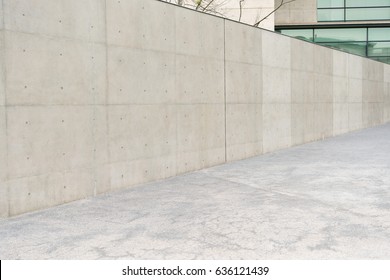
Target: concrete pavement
[(322, 200)]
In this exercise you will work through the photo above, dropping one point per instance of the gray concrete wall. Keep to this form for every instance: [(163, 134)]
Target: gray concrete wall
[(100, 95), (296, 12)]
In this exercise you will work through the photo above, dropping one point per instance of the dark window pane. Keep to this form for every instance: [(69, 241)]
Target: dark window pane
[(304, 34), (379, 34), (330, 3), (378, 48), (340, 34), (351, 47), (368, 14), (330, 15), (366, 3)]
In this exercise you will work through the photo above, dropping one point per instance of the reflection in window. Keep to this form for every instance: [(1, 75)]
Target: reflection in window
[(379, 34), (330, 15), (373, 42), (368, 14), (379, 49), (350, 47), (365, 3), (382, 59), (303, 34), (353, 10), (340, 34)]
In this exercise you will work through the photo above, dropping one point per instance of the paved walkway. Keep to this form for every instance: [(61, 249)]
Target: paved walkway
[(329, 199)]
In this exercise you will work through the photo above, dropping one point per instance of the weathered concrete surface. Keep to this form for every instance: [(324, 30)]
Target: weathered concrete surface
[(322, 200)]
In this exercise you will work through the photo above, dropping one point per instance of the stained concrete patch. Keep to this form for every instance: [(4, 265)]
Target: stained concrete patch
[(323, 200)]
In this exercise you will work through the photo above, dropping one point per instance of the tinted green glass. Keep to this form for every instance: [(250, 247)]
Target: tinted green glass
[(378, 48), (383, 59), (367, 3), (330, 3), (340, 34), (303, 34), (368, 14), (350, 47), (330, 15), (379, 34)]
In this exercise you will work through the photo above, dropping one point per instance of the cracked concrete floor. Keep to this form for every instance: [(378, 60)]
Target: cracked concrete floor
[(323, 200)]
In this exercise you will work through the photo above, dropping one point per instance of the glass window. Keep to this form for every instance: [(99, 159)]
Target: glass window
[(351, 47), (365, 3), (383, 59), (330, 3), (378, 48), (368, 14), (303, 34), (330, 15), (379, 34), (340, 34)]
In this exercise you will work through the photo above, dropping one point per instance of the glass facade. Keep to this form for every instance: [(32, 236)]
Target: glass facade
[(373, 42), (353, 10)]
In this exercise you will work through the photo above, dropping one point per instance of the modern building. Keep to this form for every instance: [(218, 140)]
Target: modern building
[(356, 26), (251, 12)]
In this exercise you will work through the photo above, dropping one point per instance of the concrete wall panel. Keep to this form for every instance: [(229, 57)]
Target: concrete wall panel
[(193, 38), (340, 118), (129, 173), (311, 122), (386, 73), (243, 83), (372, 91), (276, 85), (84, 20), (340, 89), (355, 66), (355, 90), (323, 88), (4, 200), (199, 80), (3, 144), (355, 116), (1, 16), (130, 72), (141, 24), (323, 60), (386, 112), (36, 192), (276, 50), (243, 43), (302, 56), (386, 94), (43, 70), (372, 70), (243, 141), (200, 136), (323, 118), (49, 139), (2, 69), (340, 64), (141, 131), (3, 165), (302, 87), (276, 127), (372, 114), (298, 125), (196, 131)]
